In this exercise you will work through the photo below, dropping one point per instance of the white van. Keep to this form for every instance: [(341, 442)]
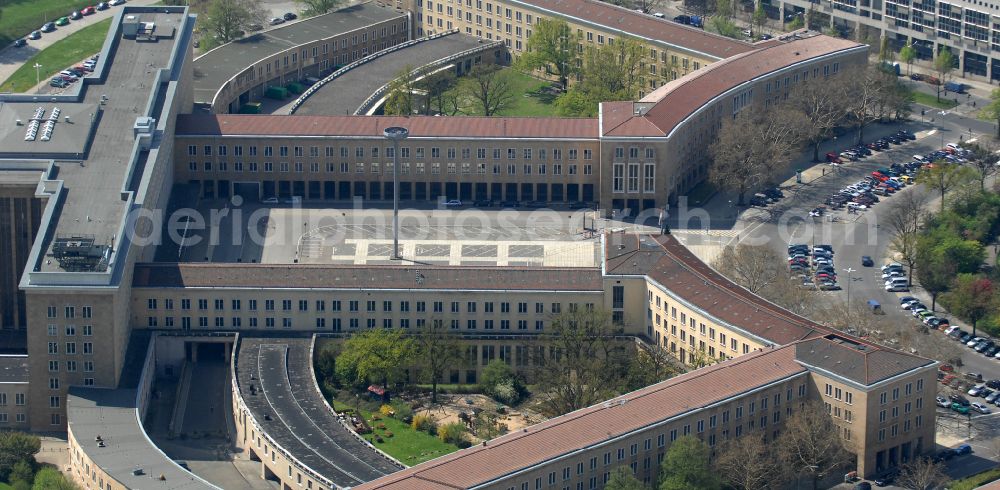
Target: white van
[(897, 284)]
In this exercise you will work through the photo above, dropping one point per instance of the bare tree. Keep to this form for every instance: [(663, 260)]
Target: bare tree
[(750, 148), (747, 463), (753, 267), (810, 443), (983, 159), (585, 362), (228, 19), (437, 350), (923, 474), (490, 89), (402, 100), (863, 93), (905, 218), (824, 109), (318, 7)]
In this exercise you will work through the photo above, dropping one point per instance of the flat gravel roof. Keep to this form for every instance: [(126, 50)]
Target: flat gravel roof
[(13, 369), (214, 68), (343, 95), (300, 420)]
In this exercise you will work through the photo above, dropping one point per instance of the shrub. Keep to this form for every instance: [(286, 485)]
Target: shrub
[(453, 433), (506, 392), (423, 422), (403, 412), (386, 410)]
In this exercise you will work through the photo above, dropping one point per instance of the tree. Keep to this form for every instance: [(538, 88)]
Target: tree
[(753, 267), (983, 159), (907, 54), (905, 218), (795, 24), (748, 464), (402, 98), (312, 8), (16, 447), (758, 20), (725, 27), (585, 363), (725, 9), (499, 381), (437, 350), (823, 107), (52, 479), (376, 355), (23, 472), (945, 176), (992, 110), (885, 53), (440, 97), (652, 364), (971, 298), (575, 103), (228, 19), (864, 93), (944, 64), (551, 48), (922, 474), (687, 465), (490, 89), (751, 147), (623, 479), (613, 71), (810, 443)]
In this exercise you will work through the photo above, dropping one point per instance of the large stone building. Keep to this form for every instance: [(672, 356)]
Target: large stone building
[(87, 172)]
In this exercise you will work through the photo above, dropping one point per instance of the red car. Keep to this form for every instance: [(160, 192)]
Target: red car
[(832, 157), (82, 68), (89, 10)]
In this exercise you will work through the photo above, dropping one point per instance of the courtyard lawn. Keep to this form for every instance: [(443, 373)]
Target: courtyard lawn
[(20, 17), (931, 100), (59, 56), (407, 445), (530, 98), (4, 486)]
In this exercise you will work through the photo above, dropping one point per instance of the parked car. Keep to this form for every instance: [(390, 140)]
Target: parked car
[(20, 43), (453, 203), (943, 402), (958, 407), (254, 27), (48, 27), (102, 6), (58, 83), (116, 2), (75, 15), (89, 10), (62, 21), (963, 449), (276, 20), (290, 16)]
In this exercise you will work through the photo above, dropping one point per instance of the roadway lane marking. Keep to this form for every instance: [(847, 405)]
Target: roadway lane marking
[(260, 373)]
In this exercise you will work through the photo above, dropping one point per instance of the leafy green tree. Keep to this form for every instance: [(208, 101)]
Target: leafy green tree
[(758, 20), (575, 103), (992, 110), (795, 24), (725, 9), (16, 447), (971, 298), (944, 176), (613, 71), (51, 479), (376, 355), (453, 433), (228, 19), (944, 64), (623, 479), (907, 54), (551, 48), (935, 272), (687, 465), (23, 472), (885, 53), (499, 381), (983, 160), (725, 27), (317, 7)]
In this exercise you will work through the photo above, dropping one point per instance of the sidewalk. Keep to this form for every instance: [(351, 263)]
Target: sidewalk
[(12, 58)]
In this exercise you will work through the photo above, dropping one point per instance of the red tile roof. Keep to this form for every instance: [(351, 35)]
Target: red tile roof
[(419, 126), (678, 99), (593, 425), (635, 24)]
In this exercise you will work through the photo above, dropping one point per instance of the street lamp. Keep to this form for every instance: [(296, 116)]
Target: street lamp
[(395, 134), (38, 77)]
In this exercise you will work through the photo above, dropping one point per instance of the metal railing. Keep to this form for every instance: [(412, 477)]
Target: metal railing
[(354, 64), (370, 101)]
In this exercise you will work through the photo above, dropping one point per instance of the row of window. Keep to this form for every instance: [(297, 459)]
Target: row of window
[(621, 183), (386, 306), (336, 324), (18, 399), (88, 366), (88, 348), (377, 167), (71, 330), (19, 418), (69, 312), (418, 152)]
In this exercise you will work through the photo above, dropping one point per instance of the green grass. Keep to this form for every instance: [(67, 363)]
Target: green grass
[(529, 98), (59, 56), (407, 445), (4, 486), (19, 17), (975, 480), (931, 100)]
